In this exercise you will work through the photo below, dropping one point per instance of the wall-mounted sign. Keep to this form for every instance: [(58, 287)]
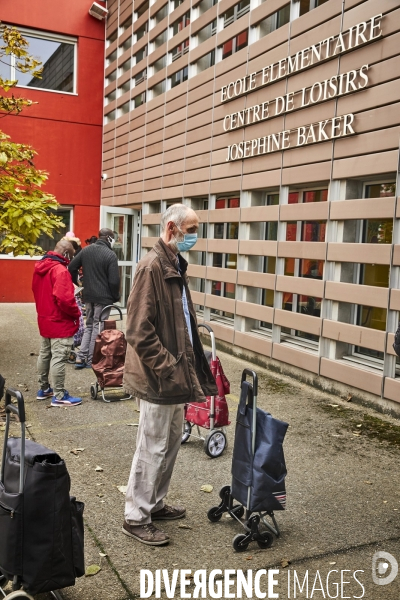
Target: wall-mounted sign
[(320, 91)]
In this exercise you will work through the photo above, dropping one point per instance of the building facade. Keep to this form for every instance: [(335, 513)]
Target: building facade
[(279, 123), (65, 126)]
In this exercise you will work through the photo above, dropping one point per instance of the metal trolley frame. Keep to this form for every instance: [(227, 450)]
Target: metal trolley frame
[(215, 442), (251, 524), (95, 387), (18, 593)]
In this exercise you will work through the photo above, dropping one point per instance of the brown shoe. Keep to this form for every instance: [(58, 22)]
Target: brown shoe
[(169, 513), (147, 534)]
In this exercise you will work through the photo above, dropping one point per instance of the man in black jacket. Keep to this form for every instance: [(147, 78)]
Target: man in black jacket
[(100, 288)]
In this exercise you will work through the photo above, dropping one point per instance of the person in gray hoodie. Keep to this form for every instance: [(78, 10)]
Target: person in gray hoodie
[(101, 283)]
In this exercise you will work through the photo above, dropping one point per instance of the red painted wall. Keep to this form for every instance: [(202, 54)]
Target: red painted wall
[(65, 129)]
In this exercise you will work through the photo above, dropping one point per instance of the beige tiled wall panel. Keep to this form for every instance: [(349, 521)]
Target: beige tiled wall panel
[(368, 208), (353, 334), (298, 358), (392, 389), (356, 377), (255, 311), (360, 253), (357, 294), (297, 321), (254, 343)]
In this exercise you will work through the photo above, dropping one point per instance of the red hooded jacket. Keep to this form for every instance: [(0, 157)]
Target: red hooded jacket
[(56, 307)]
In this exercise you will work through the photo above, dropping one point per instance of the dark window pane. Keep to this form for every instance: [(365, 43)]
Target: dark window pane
[(316, 196), (378, 231), (313, 231), (380, 190)]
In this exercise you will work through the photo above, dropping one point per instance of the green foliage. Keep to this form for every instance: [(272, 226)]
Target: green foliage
[(25, 209)]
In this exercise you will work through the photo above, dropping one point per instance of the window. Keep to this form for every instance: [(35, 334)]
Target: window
[(159, 64), (142, 9), (139, 100), (125, 87), (48, 243), (110, 116), (126, 66), (235, 44), (236, 12), (206, 61), (226, 231), (140, 77), (158, 89), (141, 32), (58, 57), (177, 3), (307, 5), (127, 44), (179, 77), (380, 190), (222, 288), (161, 14), (140, 55), (181, 23), (112, 37), (111, 97), (160, 39), (111, 77), (274, 21), (227, 203), (112, 57), (207, 32), (180, 50), (126, 24), (124, 109)]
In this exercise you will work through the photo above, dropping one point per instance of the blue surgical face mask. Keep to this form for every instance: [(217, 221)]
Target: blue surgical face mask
[(189, 240)]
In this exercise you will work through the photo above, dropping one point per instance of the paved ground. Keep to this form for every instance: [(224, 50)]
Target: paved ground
[(342, 484)]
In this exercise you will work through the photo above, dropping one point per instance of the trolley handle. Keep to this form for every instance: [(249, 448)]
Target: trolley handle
[(111, 306), (212, 336), (20, 410), (252, 374)]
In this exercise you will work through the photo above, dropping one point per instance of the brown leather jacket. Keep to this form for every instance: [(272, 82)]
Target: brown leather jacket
[(161, 365)]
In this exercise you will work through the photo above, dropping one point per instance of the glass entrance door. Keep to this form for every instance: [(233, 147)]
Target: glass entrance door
[(125, 223)]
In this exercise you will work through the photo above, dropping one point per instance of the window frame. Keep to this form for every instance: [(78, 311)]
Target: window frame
[(51, 37)]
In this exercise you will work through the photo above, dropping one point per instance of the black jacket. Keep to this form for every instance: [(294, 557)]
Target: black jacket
[(100, 273)]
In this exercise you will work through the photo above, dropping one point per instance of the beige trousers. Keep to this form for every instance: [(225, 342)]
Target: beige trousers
[(158, 441), (54, 353)]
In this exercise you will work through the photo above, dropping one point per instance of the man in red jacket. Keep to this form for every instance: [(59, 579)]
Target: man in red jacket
[(58, 320)]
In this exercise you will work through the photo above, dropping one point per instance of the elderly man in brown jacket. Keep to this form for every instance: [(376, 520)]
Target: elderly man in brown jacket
[(165, 367)]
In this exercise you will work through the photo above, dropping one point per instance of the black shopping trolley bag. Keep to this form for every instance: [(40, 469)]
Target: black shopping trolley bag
[(42, 541), (264, 472)]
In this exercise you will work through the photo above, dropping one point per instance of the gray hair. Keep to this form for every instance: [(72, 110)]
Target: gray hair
[(176, 213)]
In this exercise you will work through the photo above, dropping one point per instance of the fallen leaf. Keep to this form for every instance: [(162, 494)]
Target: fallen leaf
[(76, 451), (334, 405), (102, 554), (249, 558), (349, 398), (368, 482), (99, 469), (332, 563), (92, 570), (122, 488), (100, 495), (132, 424), (360, 425), (32, 354), (285, 562), (174, 564), (385, 502), (184, 527), (206, 488)]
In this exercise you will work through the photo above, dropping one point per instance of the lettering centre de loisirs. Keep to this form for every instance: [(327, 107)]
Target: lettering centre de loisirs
[(333, 87)]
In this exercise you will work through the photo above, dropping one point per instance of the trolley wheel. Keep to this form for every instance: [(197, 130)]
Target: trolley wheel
[(19, 595), (215, 443), (224, 490), (93, 391), (212, 516), (238, 511), (72, 357), (238, 544), (186, 431), (266, 541)]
